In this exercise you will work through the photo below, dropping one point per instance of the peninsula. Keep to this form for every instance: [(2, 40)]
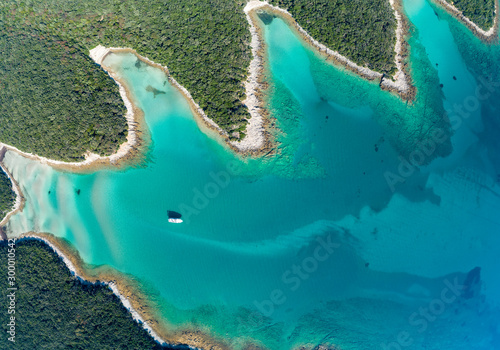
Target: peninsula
[(210, 57)]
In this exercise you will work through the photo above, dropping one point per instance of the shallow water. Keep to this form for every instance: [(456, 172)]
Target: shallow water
[(312, 245)]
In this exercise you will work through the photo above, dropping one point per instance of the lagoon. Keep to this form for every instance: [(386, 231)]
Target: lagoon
[(311, 245)]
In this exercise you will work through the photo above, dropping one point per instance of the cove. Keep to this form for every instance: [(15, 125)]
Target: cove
[(310, 245)]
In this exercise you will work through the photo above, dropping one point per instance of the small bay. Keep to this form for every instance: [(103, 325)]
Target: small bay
[(313, 244)]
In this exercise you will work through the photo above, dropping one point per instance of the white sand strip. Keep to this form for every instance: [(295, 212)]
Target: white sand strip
[(254, 139), (400, 82)]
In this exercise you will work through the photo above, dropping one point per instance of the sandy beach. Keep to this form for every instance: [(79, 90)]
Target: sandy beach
[(401, 81), (485, 35), (255, 131)]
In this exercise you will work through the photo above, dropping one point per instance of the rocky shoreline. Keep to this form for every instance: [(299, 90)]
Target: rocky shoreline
[(129, 152), (130, 297), (400, 83), (258, 140), (19, 203), (488, 36)]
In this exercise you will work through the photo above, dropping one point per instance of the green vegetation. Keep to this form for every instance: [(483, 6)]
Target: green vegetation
[(481, 12), (361, 30), (7, 195), (56, 102), (54, 310)]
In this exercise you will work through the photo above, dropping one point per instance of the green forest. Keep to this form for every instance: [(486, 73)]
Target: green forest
[(54, 310), (56, 102), (481, 12), (7, 195), (361, 30), (61, 104)]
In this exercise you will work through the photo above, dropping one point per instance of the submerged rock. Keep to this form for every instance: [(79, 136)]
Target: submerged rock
[(472, 283)]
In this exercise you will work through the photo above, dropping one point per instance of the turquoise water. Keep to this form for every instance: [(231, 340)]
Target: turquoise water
[(328, 241)]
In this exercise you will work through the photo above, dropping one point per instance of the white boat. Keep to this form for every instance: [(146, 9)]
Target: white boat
[(174, 217)]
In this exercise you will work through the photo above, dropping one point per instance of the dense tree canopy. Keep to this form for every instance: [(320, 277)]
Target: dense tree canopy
[(481, 12), (56, 102), (7, 195)]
